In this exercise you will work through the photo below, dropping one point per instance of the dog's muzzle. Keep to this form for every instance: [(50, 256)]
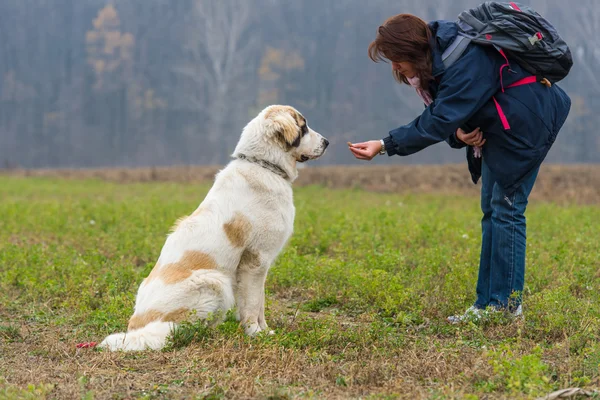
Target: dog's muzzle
[(324, 144)]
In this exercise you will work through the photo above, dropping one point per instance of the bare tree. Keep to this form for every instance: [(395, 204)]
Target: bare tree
[(219, 48)]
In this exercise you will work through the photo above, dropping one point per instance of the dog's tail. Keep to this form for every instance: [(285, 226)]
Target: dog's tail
[(208, 292), (152, 336)]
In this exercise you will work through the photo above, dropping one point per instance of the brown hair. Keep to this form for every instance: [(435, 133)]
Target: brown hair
[(404, 38)]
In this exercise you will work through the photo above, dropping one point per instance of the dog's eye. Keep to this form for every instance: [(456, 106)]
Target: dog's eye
[(304, 130)]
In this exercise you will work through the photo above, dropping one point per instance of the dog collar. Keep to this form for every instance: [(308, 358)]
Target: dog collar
[(276, 169)]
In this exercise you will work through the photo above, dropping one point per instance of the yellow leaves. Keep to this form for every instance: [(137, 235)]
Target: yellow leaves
[(146, 100), (112, 40), (127, 45), (99, 66), (276, 61), (127, 40), (91, 37), (272, 57), (109, 50), (151, 102), (108, 18), (110, 54)]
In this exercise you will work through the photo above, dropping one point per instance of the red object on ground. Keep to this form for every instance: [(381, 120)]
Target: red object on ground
[(86, 345)]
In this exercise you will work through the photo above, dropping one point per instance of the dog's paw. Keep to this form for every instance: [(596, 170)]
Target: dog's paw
[(252, 329), (255, 329)]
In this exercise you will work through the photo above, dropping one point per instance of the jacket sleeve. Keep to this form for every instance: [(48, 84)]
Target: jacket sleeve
[(464, 88), (453, 142)]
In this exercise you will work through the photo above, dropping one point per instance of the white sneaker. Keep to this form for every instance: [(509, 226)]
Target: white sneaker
[(474, 314), (518, 313)]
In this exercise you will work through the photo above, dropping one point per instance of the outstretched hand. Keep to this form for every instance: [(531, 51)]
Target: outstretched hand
[(365, 150)]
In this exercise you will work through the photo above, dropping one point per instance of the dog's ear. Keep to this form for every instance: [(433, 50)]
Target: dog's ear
[(285, 123)]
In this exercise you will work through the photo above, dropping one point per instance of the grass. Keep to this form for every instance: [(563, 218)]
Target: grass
[(358, 300)]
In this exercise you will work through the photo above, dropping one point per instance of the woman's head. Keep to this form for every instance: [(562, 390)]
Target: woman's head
[(404, 40)]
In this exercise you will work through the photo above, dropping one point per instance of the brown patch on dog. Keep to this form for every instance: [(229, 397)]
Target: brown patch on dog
[(288, 128), (141, 320), (190, 262), (176, 316), (238, 229), (300, 120), (176, 272), (153, 274), (254, 183), (274, 111), (138, 321), (249, 260)]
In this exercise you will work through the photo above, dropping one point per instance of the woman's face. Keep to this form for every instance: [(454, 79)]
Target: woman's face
[(405, 68)]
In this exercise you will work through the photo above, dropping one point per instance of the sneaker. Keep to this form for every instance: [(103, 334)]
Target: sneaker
[(518, 313), (472, 314)]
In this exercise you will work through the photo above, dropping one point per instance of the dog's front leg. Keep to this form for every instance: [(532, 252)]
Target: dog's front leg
[(250, 293)]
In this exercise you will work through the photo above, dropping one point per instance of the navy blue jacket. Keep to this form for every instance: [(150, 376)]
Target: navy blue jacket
[(463, 98)]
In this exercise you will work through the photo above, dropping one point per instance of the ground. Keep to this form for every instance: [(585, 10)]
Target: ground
[(358, 298)]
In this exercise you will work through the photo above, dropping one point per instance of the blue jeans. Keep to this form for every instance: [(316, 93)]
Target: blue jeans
[(503, 243)]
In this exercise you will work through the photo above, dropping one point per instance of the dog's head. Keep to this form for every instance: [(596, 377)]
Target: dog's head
[(287, 128), (281, 136)]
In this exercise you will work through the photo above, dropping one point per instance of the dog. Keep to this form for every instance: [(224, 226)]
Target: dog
[(219, 256)]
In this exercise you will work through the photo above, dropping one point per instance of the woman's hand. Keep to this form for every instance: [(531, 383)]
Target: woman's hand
[(366, 150), (474, 138)]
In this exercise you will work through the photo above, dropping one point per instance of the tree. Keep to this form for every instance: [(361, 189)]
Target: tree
[(220, 52), (109, 51)]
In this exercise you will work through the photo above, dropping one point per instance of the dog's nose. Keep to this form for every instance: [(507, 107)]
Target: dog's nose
[(326, 142)]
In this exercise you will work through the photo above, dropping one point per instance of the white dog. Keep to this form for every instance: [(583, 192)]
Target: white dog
[(219, 256)]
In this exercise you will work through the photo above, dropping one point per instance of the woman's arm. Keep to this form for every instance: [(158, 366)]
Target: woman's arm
[(368, 150), (465, 87)]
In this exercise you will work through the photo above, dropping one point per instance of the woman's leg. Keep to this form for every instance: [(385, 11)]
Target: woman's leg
[(508, 247), (483, 280)]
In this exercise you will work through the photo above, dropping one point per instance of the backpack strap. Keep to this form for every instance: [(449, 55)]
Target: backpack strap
[(469, 19), (525, 81), (455, 50)]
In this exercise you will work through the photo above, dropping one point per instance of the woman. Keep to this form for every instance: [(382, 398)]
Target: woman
[(462, 110)]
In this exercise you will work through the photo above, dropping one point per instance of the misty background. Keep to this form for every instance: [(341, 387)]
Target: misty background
[(92, 83)]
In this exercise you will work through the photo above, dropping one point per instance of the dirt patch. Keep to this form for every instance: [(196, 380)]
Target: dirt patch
[(579, 184)]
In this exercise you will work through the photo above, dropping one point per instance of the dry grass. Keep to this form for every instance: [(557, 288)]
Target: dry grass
[(234, 367), (578, 184)]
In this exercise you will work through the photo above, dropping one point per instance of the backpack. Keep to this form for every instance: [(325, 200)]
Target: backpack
[(517, 32)]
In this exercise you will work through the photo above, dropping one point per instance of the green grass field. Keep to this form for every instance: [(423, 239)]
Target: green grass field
[(358, 300)]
